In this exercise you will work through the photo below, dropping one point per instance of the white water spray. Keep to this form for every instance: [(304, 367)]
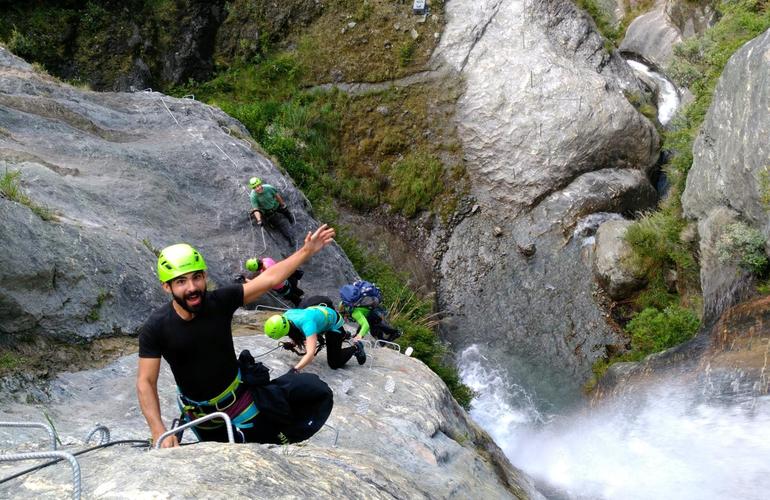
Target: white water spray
[(668, 97), (662, 442)]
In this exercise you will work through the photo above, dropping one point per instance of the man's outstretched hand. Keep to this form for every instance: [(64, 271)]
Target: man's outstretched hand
[(322, 236)]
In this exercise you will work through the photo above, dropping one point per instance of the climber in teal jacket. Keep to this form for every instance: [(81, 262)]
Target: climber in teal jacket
[(304, 326)]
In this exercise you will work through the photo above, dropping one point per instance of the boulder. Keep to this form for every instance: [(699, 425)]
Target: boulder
[(123, 176), (730, 169), (652, 35), (549, 138), (395, 432), (610, 261)]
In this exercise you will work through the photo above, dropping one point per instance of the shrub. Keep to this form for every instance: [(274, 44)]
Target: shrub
[(744, 244), (653, 330)]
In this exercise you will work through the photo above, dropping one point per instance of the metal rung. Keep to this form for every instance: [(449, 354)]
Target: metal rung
[(40, 425), (385, 342), (270, 308), (336, 434), (103, 430), (210, 416), (62, 455)]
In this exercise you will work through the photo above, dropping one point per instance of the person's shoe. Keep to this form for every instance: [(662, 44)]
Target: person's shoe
[(359, 353)]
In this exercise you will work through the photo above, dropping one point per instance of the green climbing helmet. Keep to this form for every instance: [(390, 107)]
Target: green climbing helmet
[(276, 326), (252, 265), (177, 260), (254, 182)]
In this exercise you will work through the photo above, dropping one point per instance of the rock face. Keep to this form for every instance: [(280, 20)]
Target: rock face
[(401, 435), (609, 264), (654, 34), (730, 176), (125, 175), (549, 138)]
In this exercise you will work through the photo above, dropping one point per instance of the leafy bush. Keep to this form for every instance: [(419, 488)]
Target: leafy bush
[(653, 330), (744, 244)]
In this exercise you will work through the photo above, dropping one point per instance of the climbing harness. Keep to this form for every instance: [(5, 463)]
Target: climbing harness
[(236, 401)]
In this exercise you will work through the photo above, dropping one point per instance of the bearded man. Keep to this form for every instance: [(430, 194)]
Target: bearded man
[(193, 334)]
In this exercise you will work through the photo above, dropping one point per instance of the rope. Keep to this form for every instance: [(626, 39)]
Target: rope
[(280, 344)]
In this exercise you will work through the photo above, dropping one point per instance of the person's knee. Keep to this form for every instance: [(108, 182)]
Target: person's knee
[(335, 364)]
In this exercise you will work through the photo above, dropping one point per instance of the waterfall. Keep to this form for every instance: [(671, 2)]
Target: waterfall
[(668, 96), (661, 441)]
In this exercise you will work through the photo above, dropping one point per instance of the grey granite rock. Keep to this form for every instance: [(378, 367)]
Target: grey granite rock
[(610, 264), (731, 164), (125, 174), (549, 138), (401, 435)]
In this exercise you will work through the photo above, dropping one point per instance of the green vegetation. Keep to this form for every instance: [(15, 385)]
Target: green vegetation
[(416, 182), (366, 41), (614, 32), (10, 189), (745, 245), (763, 181), (654, 330), (10, 361)]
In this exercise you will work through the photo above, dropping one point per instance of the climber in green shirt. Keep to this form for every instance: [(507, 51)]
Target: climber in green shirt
[(267, 206)]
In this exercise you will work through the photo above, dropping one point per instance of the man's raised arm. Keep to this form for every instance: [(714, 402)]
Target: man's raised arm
[(276, 274)]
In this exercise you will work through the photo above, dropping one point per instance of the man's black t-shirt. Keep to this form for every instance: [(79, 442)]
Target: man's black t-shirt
[(200, 351)]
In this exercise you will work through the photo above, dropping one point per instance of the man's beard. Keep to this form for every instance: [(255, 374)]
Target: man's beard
[(182, 300)]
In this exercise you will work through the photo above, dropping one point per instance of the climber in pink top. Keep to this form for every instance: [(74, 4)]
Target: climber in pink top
[(289, 289)]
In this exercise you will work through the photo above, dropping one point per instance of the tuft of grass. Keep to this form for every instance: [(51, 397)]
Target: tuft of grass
[(10, 361), (406, 52), (10, 188)]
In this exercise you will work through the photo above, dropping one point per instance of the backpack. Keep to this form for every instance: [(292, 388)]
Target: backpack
[(361, 294)]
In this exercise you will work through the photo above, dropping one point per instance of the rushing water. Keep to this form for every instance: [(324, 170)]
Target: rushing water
[(668, 96), (662, 442)]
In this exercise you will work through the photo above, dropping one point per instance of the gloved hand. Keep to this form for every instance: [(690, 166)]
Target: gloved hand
[(289, 346), (292, 370)]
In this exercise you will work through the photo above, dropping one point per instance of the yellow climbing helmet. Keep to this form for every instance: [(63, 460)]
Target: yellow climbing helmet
[(177, 260), (276, 326)]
